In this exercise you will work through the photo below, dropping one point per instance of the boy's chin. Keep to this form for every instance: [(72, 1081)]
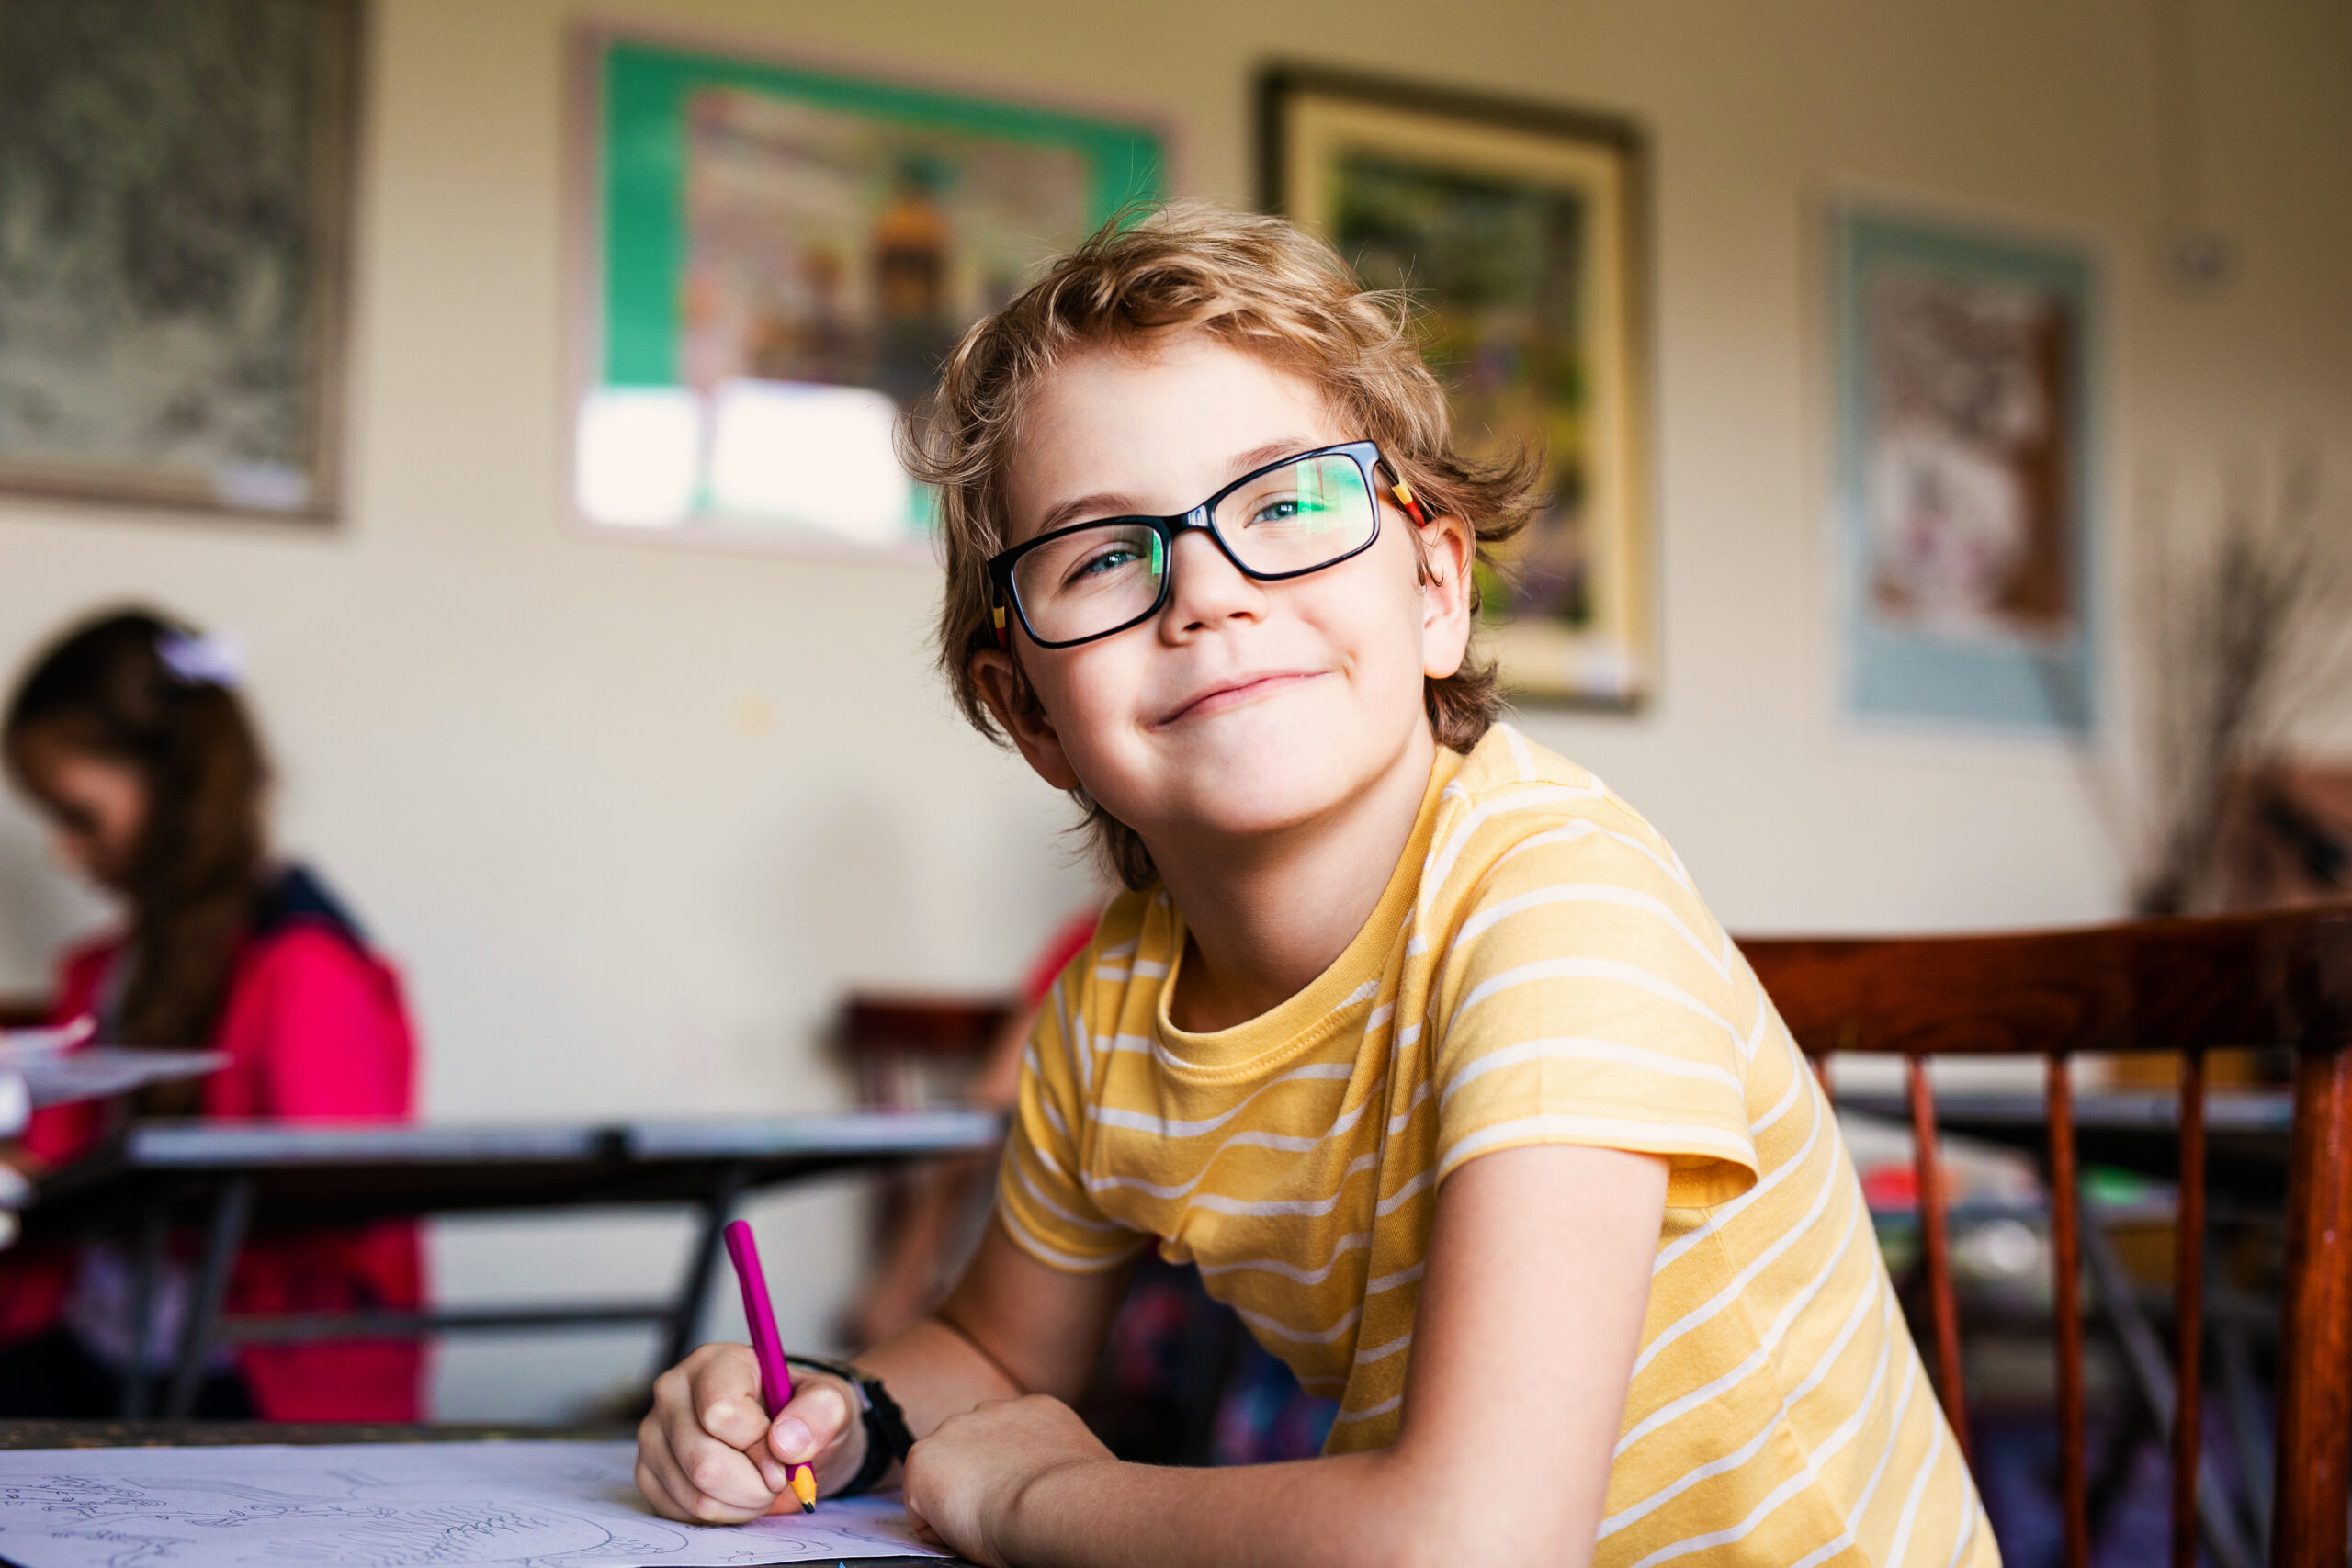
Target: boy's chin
[(1271, 794)]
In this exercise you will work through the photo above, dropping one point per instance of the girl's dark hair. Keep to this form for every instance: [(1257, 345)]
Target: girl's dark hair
[(107, 690)]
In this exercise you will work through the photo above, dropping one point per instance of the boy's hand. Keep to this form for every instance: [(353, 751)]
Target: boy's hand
[(965, 1481), (707, 1454)]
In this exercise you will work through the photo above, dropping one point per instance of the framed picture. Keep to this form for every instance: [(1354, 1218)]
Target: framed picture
[(1518, 230), (175, 233), (776, 258), (1963, 371)]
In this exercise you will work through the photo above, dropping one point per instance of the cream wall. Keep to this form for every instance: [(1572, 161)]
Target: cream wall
[(632, 818)]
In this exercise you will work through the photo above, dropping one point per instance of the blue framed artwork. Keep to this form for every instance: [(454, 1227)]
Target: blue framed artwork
[(1965, 475)]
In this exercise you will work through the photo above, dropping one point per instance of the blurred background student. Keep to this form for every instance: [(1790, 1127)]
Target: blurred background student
[(129, 737)]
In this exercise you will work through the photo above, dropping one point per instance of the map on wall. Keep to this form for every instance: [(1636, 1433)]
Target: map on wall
[(173, 204)]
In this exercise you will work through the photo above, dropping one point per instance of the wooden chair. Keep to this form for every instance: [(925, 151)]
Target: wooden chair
[(916, 1051), (2183, 985)]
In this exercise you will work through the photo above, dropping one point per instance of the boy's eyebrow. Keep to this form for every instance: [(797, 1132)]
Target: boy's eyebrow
[(1273, 451), (1102, 504), (1113, 503)]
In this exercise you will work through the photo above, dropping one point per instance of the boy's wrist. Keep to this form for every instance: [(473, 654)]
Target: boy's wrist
[(1056, 1490)]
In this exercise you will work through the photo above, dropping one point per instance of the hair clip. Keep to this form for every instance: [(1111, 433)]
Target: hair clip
[(214, 659)]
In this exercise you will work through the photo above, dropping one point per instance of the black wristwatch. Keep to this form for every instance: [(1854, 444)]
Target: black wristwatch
[(887, 1437)]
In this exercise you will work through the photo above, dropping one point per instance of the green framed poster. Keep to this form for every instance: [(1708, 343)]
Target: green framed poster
[(778, 255)]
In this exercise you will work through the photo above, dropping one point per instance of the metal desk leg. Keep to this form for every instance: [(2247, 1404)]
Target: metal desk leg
[(687, 1311), (2143, 1363), (2249, 1423), (146, 1269), (230, 1209)]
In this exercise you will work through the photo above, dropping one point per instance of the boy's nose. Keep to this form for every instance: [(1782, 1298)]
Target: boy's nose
[(1208, 590)]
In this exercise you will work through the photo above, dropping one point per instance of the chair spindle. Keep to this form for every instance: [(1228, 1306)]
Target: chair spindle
[(2189, 1312), (1935, 1244), (2315, 1442), (2066, 1307)]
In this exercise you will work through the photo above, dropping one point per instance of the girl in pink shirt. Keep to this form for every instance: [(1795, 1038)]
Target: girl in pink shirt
[(130, 736)]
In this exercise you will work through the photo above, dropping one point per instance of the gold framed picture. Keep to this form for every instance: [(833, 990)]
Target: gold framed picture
[(1518, 230)]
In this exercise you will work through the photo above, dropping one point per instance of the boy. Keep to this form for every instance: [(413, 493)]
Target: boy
[(1410, 1034)]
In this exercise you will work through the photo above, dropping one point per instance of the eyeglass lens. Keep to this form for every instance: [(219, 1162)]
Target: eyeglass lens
[(1289, 519)]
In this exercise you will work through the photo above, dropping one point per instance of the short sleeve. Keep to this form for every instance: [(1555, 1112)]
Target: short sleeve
[(1041, 1192), (1588, 997)]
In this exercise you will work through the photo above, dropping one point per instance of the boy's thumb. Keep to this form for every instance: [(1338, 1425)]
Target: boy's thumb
[(811, 1423)]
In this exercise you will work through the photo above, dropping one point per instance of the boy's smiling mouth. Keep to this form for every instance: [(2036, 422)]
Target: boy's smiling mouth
[(1233, 692)]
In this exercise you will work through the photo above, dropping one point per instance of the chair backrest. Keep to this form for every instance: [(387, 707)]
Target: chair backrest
[(914, 1049), (2184, 986)]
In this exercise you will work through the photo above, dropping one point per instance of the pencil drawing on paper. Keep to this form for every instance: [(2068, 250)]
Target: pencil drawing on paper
[(421, 1505)]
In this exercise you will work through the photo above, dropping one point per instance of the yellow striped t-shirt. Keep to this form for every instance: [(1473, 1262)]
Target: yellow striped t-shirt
[(1539, 970)]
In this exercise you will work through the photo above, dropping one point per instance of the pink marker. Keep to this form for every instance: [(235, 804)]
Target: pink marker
[(759, 1313)]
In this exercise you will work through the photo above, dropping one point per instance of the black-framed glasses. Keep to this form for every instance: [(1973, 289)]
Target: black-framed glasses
[(1285, 520)]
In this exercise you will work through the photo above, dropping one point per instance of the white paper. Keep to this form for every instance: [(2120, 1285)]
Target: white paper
[(521, 1505), (95, 1072), (56, 1073)]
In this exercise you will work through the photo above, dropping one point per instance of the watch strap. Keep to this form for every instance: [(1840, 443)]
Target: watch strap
[(887, 1439)]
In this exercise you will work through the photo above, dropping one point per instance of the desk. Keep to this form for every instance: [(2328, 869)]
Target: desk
[(227, 1434), (221, 1434), (231, 1177), (2245, 1130)]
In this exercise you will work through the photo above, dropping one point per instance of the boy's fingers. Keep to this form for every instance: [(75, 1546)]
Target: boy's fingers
[(664, 1486), (920, 1526), (719, 1482), (666, 1490), (724, 1396), (691, 1463), (709, 1481)]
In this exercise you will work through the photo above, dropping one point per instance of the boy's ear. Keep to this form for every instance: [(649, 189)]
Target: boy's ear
[(1021, 716), (1448, 550)]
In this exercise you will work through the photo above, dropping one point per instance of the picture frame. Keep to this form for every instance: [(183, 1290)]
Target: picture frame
[(772, 254), (1519, 232), (1966, 358), (175, 333)]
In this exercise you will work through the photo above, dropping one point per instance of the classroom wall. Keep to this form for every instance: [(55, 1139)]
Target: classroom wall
[(632, 818)]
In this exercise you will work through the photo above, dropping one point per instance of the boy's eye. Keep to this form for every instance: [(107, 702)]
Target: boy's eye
[(1290, 508), (1101, 563)]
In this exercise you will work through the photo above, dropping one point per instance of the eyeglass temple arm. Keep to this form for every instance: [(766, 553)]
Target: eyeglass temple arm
[(1404, 494)]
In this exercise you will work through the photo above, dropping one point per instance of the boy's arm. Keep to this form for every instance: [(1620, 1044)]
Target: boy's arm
[(708, 1454), (1531, 1315)]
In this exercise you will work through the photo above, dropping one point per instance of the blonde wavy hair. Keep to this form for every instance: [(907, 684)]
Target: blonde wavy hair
[(1254, 283)]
